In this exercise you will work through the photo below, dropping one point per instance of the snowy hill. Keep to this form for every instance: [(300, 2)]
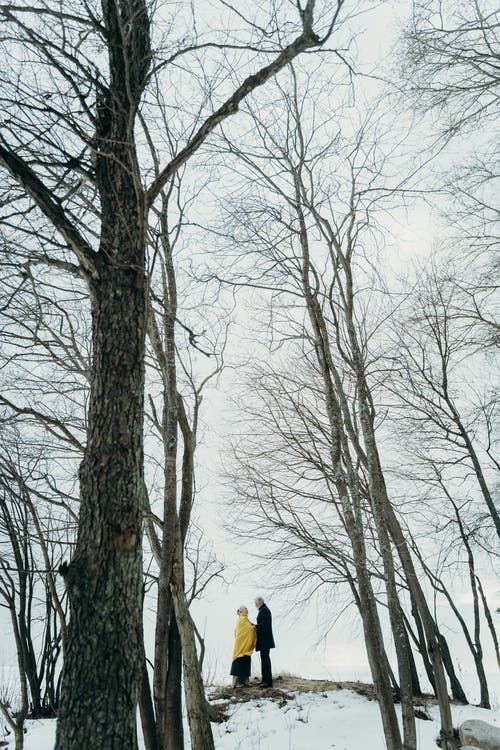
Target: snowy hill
[(317, 715)]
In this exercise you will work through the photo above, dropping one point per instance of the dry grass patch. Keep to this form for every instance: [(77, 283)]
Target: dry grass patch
[(284, 689)]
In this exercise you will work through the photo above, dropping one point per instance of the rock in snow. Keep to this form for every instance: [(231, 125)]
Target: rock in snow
[(480, 734)]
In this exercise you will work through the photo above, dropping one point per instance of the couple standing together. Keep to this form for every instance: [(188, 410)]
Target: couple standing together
[(249, 637)]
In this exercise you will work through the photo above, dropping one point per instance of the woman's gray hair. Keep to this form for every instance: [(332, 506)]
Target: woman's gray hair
[(241, 608)]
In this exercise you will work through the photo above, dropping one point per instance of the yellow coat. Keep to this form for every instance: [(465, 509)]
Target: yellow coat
[(245, 637)]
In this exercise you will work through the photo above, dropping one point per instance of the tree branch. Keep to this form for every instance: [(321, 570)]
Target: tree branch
[(303, 42), (50, 206)]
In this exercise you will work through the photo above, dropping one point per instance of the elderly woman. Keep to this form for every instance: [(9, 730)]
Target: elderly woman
[(245, 637)]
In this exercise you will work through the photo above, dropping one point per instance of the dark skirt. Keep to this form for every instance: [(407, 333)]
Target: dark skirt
[(241, 667)]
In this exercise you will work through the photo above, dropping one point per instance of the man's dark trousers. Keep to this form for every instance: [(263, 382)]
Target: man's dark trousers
[(265, 642), (265, 661)]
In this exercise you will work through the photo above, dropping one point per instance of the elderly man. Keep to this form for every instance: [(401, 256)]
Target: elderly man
[(265, 641)]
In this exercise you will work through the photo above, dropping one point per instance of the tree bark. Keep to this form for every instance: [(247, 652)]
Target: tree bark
[(429, 627), (376, 487), (165, 673), (457, 690), (173, 710), (345, 485), (103, 664), (146, 708), (196, 702), (104, 656)]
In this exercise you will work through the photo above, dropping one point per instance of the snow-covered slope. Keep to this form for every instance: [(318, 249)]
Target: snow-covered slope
[(338, 720)]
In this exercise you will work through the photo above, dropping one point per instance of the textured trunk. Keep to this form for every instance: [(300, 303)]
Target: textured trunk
[(420, 642), (164, 343), (103, 664), (375, 650), (196, 702), (377, 657), (16, 724), (415, 682), (104, 655), (390, 522), (173, 711), (429, 627), (19, 737), (483, 683), (378, 500), (476, 647), (377, 490), (148, 721), (175, 643), (457, 690)]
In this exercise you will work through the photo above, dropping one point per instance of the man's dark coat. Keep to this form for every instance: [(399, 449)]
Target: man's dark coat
[(265, 639)]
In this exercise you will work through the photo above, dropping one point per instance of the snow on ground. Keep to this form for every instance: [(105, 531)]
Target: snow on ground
[(313, 721), (338, 720)]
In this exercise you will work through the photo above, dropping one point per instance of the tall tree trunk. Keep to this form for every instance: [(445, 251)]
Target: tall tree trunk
[(173, 711), (103, 662), (390, 521), (346, 482), (476, 647), (429, 627), (378, 499), (196, 702), (420, 642), (169, 737), (376, 487), (148, 721), (415, 682), (377, 657), (457, 690), (175, 642), (345, 487), (104, 656)]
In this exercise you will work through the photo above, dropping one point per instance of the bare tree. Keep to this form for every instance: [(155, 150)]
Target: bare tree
[(450, 68), (438, 372), (46, 353), (176, 411), (283, 473), (451, 61), (29, 591), (69, 143), (305, 237), (431, 362)]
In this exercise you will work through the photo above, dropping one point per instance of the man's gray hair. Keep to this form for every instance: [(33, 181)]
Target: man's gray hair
[(259, 599)]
